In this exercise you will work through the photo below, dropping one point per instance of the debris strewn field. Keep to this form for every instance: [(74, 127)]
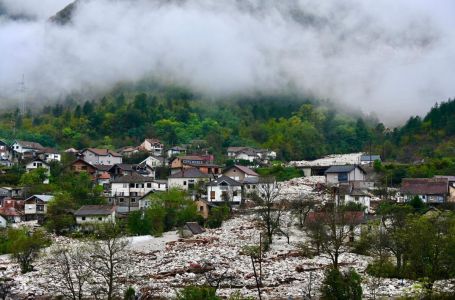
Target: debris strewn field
[(160, 266)]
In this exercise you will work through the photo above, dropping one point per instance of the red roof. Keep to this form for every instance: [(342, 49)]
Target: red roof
[(425, 186), (10, 212), (349, 217), (104, 175)]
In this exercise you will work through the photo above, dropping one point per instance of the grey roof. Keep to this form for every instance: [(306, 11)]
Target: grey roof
[(125, 167), (30, 145), (367, 157), (194, 227), (342, 169), (226, 179), (44, 198), (189, 173), (102, 167), (256, 180), (95, 210), (244, 169), (133, 178)]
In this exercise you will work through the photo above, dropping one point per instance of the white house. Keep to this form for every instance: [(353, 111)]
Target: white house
[(38, 163), (224, 189), (187, 179), (101, 156), (154, 146), (49, 154), (36, 207), (127, 190), (90, 214), (348, 193), (344, 174), (5, 153), (153, 161), (26, 146), (367, 159)]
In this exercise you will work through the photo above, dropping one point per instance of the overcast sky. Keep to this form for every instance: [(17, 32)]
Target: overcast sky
[(393, 58)]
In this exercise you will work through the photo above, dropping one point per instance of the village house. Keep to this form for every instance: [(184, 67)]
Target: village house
[(126, 191), (451, 183), (10, 192), (36, 164), (429, 190), (224, 189), (239, 173), (344, 174), (367, 159), (202, 163), (187, 179), (12, 210), (35, 207), (250, 154), (176, 151), (11, 215), (128, 151), (153, 161), (101, 156), (119, 170), (49, 154), (349, 193), (153, 146), (91, 214), (203, 207), (24, 149)]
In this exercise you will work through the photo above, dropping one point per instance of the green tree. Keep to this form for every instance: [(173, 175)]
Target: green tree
[(341, 286), (25, 246), (59, 213)]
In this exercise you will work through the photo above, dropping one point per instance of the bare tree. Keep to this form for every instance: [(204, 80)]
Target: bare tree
[(68, 270), (332, 228), (271, 207), (108, 258), (302, 206)]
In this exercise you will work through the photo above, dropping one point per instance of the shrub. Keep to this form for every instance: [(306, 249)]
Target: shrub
[(382, 268), (197, 293), (339, 286)]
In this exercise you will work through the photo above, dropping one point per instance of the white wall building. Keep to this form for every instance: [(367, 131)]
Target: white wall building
[(224, 189), (37, 163), (344, 174), (101, 156), (91, 214)]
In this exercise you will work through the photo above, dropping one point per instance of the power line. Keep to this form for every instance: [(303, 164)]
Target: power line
[(22, 90)]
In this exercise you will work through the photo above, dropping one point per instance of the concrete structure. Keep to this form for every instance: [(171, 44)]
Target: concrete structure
[(429, 190), (154, 146), (224, 189), (96, 156), (187, 179), (36, 207), (344, 174), (92, 214)]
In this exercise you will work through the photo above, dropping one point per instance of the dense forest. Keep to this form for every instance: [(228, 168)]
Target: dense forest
[(295, 127)]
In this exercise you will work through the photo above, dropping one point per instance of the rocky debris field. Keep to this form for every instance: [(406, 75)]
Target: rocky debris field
[(157, 267), (330, 160)]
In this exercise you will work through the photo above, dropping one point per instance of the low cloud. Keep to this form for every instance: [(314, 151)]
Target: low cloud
[(393, 58)]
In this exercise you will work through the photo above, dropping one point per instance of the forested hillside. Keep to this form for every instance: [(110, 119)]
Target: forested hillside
[(297, 128)]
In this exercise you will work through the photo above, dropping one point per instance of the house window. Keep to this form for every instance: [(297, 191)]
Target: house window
[(131, 185), (201, 208), (212, 195), (83, 218), (342, 177), (121, 200), (356, 198), (234, 193), (149, 184), (100, 219), (184, 183), (125, 185), (133, 200)]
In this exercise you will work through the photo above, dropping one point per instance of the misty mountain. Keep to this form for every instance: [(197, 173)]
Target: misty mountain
[(64, 16)]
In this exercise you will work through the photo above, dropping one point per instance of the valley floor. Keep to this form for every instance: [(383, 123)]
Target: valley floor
[(160, 266)]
